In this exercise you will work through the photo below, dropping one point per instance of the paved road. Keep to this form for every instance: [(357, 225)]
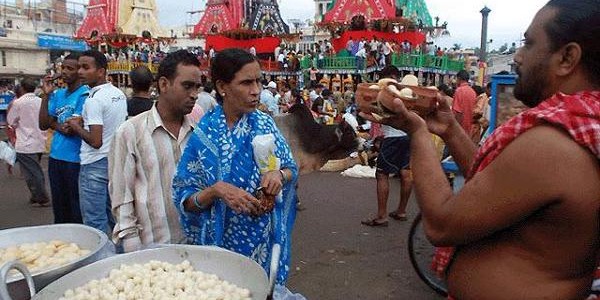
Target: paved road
[(334, 257)]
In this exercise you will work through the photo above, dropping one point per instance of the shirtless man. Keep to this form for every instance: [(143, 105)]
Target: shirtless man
[(525, 226)]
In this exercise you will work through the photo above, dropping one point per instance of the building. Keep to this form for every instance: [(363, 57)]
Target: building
[(32, 35)]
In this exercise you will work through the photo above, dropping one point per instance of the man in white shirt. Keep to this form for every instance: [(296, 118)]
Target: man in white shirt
[(103, 112), (144, 156), (386, 49), (277, 51), (350, 46), (267, 97), (361, 57), (252, 50), (281, 60), (316, 92), (205, 99)]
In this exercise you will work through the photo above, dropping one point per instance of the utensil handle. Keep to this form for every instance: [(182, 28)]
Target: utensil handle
[(4, 276), (275, 255)]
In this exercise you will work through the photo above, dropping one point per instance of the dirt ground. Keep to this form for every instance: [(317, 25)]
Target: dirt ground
[(334, 256)]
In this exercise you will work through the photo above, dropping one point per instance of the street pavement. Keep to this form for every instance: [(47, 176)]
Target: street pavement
[(334, 256)]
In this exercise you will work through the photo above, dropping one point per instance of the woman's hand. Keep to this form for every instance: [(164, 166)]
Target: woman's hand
[(272, 182), (237, 199)]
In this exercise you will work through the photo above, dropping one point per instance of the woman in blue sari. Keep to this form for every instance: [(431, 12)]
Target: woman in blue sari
[(217, 178)]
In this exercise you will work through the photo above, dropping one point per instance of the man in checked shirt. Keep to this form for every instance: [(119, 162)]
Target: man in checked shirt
[(144, 155)]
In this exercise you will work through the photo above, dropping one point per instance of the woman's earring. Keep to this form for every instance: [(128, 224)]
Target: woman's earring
[(223, 94)]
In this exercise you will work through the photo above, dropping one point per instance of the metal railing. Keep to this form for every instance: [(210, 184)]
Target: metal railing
[(414, 61)]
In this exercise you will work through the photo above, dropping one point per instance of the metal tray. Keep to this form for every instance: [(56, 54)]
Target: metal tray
[(85, 237), (230, 266)]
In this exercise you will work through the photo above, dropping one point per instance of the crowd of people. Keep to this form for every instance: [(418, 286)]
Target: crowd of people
[(183, 168)]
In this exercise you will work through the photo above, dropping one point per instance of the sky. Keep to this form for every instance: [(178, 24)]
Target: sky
[(508, 20)]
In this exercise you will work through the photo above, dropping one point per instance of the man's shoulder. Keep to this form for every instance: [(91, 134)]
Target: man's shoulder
[(107, 90), (131, 126), (549, 143)]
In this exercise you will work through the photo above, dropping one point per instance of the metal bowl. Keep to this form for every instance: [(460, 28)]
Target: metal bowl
[(230, 266), (85, 237)]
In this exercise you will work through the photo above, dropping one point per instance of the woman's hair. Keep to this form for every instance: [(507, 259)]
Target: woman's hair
[(226, 64), (578, 22)]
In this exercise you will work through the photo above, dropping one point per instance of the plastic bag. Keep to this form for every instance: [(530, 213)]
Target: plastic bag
[(283, 293), (264, 153), (8, 153)]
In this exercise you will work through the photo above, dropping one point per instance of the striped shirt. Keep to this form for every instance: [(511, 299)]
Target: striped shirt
[(142, 163)]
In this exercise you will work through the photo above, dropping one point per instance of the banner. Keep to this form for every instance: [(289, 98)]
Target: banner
[(59, 42)]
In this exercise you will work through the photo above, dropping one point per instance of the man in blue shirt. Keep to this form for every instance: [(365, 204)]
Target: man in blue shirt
[(59, 105)]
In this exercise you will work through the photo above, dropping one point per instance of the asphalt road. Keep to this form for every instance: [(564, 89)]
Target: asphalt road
[(334, 256)]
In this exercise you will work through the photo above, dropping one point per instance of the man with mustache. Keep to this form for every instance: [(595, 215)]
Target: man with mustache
[(525, 225), (145, 153)]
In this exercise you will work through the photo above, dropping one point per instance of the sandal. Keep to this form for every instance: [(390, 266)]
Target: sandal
[(396, 216), (45, 203), (374, 222)]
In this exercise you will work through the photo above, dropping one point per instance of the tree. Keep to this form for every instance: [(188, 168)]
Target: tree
[(456, 47), (503, 48)]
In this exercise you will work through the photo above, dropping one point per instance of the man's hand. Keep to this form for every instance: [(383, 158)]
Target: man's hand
[(48, 85), (74, 122), (403, 119), (442, 119), (65, 129), (237, 199)]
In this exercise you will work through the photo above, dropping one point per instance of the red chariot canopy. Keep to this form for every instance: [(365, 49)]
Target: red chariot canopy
[(262, 45), (344, 10), (217, 18), (101, 17)]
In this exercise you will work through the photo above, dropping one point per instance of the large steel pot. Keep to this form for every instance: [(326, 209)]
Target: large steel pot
[(85, 237), (230, 266)]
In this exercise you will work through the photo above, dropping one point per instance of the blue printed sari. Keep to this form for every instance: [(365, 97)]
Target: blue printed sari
[(216, 153)]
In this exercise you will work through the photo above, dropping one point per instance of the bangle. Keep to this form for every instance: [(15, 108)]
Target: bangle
[(197, 203), (283, 177)]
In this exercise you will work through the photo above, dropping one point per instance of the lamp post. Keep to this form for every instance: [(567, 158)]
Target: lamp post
[(484, 27)]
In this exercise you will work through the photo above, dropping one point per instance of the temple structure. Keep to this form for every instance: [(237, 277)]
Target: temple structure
[(255, 15), (124, 17)]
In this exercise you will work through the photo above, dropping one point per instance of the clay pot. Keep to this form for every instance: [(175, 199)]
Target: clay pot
[(366, 96), (418, 99)]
